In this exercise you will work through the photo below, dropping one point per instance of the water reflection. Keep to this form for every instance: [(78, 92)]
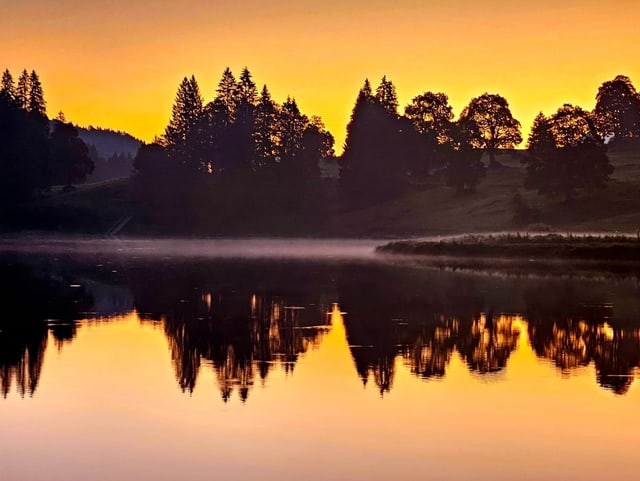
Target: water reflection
[(243, 320), (220, 319)]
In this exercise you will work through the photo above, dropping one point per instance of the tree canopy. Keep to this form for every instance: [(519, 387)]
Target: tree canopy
[(490, 125), (566, 154), (617, 110)]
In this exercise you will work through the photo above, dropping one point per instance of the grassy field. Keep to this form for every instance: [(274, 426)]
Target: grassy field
[(427, 208), (435, 210)]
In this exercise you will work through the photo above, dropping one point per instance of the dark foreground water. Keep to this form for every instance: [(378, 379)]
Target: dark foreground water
[(152, 361)]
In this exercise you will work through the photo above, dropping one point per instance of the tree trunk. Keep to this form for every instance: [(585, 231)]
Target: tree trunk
[(493, 163)]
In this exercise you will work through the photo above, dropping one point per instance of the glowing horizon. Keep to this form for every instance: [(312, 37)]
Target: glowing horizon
[(118, 65)]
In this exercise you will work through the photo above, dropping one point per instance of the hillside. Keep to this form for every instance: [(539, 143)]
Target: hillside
[(428, 208), (112, 152)]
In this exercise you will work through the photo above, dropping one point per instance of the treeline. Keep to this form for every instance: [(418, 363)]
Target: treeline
[(242, 152), (239, 132), (385, 151), (34, 152)]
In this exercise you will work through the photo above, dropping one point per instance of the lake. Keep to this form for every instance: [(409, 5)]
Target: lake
[(315, 360)]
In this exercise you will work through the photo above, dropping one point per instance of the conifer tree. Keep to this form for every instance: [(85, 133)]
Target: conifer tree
[(36, 103), (265, 130), (227, 92), (22, 90), (386, 95), (181, 135), (292, 124), (246, 89), (7, 88)]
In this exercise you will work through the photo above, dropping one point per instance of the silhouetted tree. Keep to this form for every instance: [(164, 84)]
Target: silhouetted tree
[(566, 154), (617, 110), (22, 90), (227, 92), (490, 124), (35, 101), (70, 162), (7, 88), (386, 95), (380, 151), (265, 130), (246, 89), (182, 136), (291, 126), (23, 152), (432, 116)]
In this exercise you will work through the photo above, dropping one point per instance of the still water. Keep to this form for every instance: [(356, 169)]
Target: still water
[(125, 361)]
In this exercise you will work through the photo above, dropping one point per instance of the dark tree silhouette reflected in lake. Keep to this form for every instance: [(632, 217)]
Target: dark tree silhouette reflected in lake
[(243, 319)]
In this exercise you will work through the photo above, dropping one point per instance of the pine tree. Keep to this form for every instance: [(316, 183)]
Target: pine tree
[(181, 135), (292, 124), (22, 90), (36, 103), (265, 130), (7, 88), (386, 95), (246, 88), (228, 92)]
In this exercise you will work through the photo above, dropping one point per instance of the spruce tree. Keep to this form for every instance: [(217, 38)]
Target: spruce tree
[(386, 95), (181, 135), (292, 124), (246, 88), (22, 90), (265, 130), (227, 92), (7, 88), (36, 103)]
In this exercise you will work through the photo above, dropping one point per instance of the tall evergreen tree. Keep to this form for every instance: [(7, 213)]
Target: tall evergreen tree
[(182, 135), (386, 95), (227, 92), (246, 89), (266, 130), (7, 88), (22, 90), (36, 103), (291, 123), (380, 149)]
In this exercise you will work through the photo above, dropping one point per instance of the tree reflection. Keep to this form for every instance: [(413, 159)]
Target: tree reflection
[(33, 303), (242, 332), (572, 333), (487, 342)]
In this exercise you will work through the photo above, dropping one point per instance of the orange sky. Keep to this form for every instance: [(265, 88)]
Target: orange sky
[(117, 63)]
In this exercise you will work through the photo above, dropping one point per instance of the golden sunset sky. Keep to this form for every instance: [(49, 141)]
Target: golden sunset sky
[(118, 63)]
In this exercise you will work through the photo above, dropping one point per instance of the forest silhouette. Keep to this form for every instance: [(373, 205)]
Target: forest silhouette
[(246, 154)]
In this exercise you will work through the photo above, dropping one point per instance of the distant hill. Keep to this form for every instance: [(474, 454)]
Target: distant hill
[(109, 142), (111, 151)]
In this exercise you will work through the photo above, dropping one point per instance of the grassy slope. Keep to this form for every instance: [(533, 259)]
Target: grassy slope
[(428, 209), (437, 210)]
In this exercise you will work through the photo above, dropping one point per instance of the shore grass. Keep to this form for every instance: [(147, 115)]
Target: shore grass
[(541, 246)]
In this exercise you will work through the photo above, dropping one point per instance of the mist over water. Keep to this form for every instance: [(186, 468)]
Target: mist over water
[(346, 249)]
